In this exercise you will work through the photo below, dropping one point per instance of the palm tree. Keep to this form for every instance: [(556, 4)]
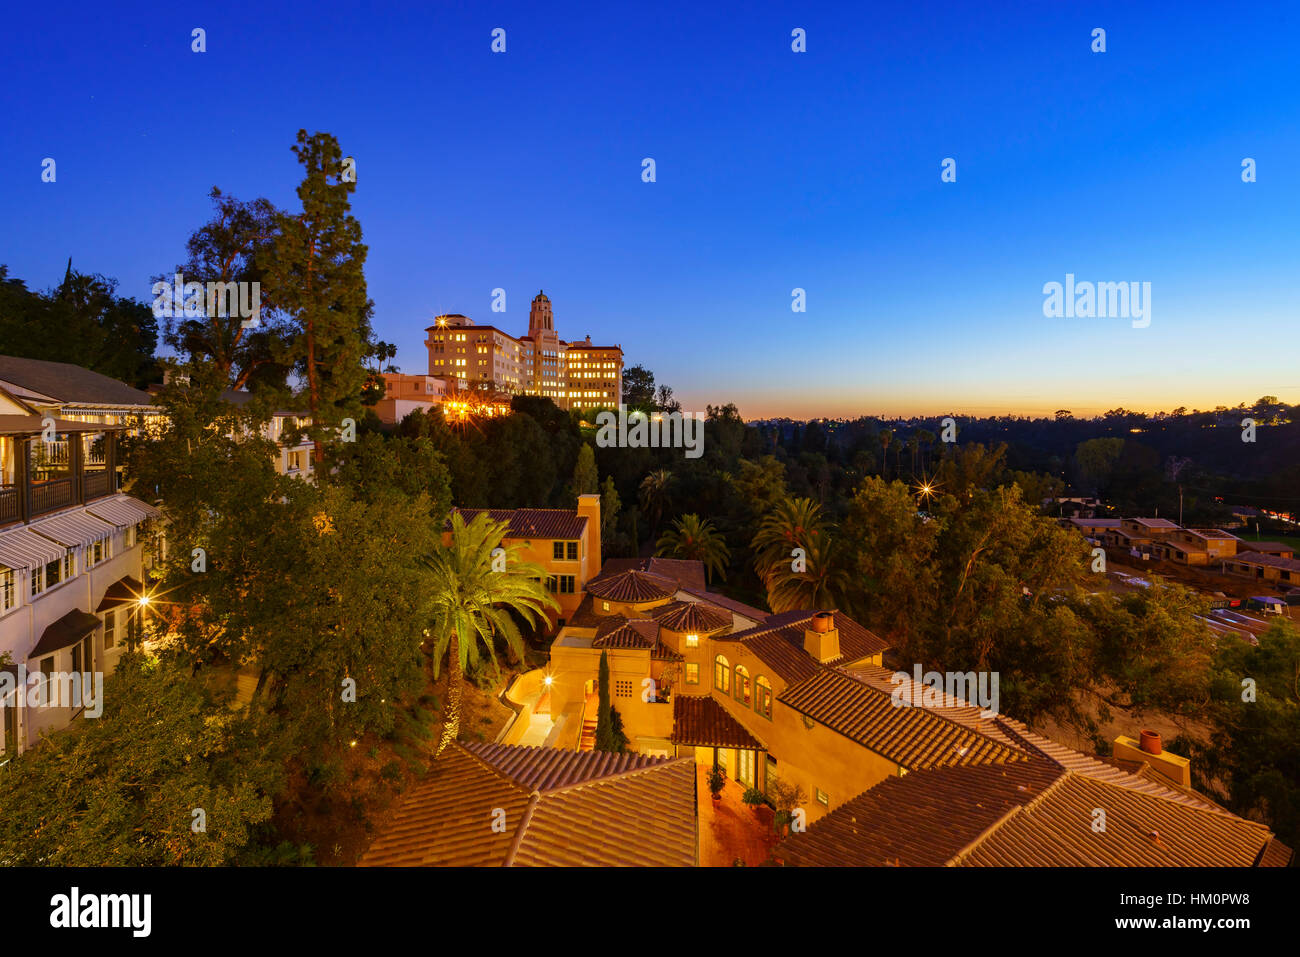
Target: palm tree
[(926, 439), (794, 523), (654, 497), (886, 436), (699, 541), (824, 584), (472, 604)]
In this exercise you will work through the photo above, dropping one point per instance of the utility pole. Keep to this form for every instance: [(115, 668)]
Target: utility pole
[(1180, 506)]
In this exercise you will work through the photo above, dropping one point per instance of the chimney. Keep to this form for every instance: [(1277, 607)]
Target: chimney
[(589, 505), (1150, 750), (821, 638)]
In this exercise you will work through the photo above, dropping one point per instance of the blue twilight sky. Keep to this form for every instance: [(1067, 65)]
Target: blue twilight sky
[(775, 170)]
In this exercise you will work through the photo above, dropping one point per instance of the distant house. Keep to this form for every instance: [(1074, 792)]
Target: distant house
[(564, 541), (1136, 535), (404, 394), (1269, 568), (1076, 507), (1094, 529), (1196, 546), (1280, 549), (295, 457)]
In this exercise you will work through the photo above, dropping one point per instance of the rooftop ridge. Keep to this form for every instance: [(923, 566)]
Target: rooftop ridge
[(524, 820), (993, 828), (655, 765)]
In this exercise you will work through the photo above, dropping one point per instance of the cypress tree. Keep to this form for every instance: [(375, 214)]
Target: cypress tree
[(604, 717)]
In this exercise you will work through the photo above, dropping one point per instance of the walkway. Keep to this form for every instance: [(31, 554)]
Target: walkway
[(729, 828)]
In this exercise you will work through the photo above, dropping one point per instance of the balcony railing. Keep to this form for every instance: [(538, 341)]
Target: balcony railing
[(11, 507), (52, 494), (41, 481), (97, 484)]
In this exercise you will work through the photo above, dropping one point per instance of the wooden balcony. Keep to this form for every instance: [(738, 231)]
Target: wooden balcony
[(37, 490), (51, 495)]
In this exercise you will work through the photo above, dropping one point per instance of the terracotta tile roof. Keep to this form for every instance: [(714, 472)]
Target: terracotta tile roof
[(731, 604), (640, 818), (692, 616), (701, 721), (563, 523), (632, 586), (1142, 830), (779, 641), (1276, 854), (662, 652), (447, 820), (1037, 811), (584, 616), (921, 819), (604, 624), (545, 769), (562, 808), (915, 738), (687, 573), (638, 633)]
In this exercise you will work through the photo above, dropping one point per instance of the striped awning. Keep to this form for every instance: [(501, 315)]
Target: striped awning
[(122, 510), (73, 528), (23, 548)]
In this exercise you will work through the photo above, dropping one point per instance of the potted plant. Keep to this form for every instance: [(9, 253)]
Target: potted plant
[(755, 799), (717, 777), (786, 798)]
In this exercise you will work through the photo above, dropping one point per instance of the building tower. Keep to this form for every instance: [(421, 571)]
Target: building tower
[(539, 316)]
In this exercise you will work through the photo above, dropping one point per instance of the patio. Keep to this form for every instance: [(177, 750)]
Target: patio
[(729, 828)]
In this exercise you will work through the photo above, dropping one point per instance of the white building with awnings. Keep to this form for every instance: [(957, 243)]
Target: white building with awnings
[(70, 591), (73, 561)]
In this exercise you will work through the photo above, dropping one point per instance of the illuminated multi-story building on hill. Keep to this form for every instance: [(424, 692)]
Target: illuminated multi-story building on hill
[(573, 374)]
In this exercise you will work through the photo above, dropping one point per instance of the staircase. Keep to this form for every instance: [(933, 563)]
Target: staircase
[(587, 740)]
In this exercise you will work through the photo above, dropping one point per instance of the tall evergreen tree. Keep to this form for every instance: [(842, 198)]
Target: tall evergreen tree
[(316, 279), (604, 719), (585, 477)]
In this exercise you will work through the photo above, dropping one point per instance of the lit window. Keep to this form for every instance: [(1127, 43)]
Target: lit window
[(744, 688), (763, 700), (692, 641), (692, 674), (823, 798), (721, 674), (8, 598)]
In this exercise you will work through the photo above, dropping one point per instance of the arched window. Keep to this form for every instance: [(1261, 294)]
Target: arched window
[(763, 699), (722, 674), (744, 687)]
